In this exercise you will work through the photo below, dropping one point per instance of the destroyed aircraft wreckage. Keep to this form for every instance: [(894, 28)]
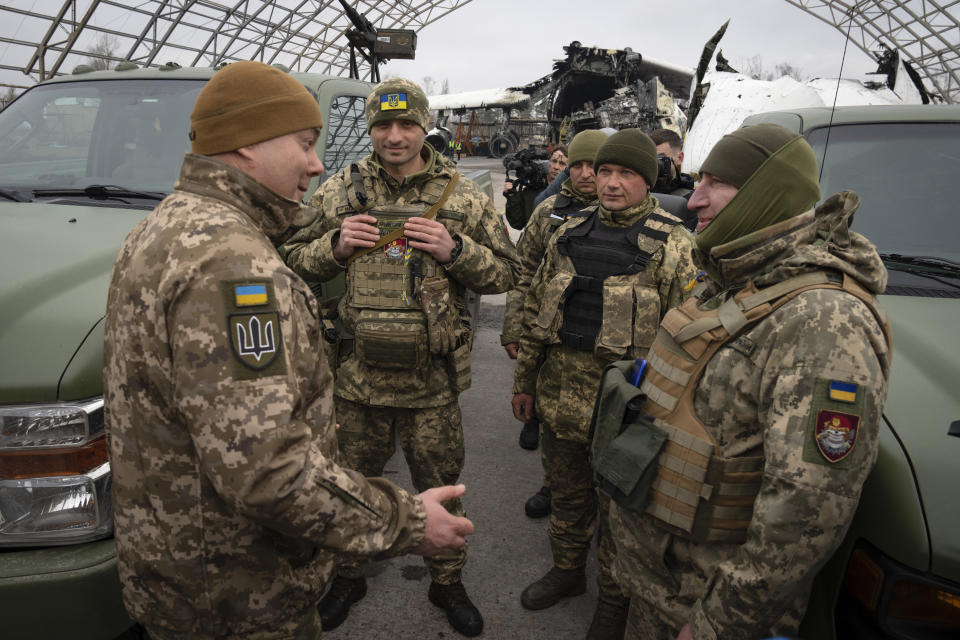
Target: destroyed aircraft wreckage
[(590, 88)]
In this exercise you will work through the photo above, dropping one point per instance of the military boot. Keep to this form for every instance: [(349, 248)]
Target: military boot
[(538, 505), (462, 615), (553, 587), (609, 622), (335, 605)]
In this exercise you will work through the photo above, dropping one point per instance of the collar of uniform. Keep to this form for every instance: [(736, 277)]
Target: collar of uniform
[(630, 215), (272, 213), (571, 192)]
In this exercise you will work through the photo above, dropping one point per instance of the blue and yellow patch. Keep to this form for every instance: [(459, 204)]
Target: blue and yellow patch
[(843, 391), (393, 101), (249, 295)]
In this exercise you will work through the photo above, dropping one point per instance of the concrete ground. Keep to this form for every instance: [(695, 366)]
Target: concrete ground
[(508, 551)]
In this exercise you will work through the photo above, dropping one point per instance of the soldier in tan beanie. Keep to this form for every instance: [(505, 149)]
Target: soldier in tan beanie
[(229, 506)]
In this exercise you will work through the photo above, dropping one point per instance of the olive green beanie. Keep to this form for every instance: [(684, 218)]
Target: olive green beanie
[(630, 148), (398, 99), (248, 102), (776, 174), (585, 145)]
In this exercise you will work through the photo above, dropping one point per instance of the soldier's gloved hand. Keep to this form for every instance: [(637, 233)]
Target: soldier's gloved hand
[(443, 531), (356, 232), (522, 407)]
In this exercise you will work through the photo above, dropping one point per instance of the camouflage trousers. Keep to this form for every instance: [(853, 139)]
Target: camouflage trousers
[(575, 509), (432, 443), (302, 627)]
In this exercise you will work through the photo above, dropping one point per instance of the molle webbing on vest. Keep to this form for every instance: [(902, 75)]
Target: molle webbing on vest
[(381, 284), (699, 494), (597, 253)]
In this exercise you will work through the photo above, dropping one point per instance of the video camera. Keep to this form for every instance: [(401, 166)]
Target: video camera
[(665, 177), (529, 167)]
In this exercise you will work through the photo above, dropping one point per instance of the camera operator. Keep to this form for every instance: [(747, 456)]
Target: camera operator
[(532, 175), (670, 179)]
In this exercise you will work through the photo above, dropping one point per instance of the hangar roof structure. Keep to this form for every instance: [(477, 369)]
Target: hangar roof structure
[(44, 39)]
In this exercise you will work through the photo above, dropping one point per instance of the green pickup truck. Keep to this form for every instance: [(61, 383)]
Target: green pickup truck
[(897, 574), (83, 158)]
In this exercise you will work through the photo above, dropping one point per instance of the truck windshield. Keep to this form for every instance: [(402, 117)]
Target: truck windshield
[(905, 175), (129, 133)]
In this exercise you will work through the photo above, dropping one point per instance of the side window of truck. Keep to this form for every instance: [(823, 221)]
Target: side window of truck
[(346, 131)]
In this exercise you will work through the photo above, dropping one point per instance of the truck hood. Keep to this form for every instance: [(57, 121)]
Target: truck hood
[(921, 404), (53, 292)]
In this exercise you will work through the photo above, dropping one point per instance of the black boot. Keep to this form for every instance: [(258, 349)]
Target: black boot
[(452, 598), (553, 587), (538, 506), (335, 605), (530, 435), (609, 622)]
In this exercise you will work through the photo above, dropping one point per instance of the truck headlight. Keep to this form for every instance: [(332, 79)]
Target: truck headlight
[(54, 474)]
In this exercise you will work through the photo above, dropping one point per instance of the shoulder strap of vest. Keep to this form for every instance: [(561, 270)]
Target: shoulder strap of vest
[(356, 193), (562, 202), (654, 231), (430, 214)]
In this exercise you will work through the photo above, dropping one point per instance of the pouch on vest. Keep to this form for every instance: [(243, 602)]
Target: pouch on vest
[(616, 329), (547, 323), (625, 444), (458, 362), (440, 315), (391, 340)]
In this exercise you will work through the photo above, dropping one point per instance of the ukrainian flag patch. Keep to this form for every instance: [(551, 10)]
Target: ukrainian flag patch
[(249, 295), (392, 101), (843, 391)]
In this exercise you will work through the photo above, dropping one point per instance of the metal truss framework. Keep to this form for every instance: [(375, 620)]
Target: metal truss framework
[(303, 35), (927, 33), (308, 35)]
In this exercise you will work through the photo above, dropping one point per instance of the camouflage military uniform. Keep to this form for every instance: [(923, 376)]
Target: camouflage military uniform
[(229, 504), (764, 394), (564, 380), (530, 248), (420, 401)]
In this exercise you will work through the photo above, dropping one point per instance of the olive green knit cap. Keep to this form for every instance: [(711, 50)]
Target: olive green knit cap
[(585, 145), (630, 148)]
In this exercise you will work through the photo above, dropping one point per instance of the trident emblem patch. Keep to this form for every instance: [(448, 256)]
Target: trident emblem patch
[(254, 338)]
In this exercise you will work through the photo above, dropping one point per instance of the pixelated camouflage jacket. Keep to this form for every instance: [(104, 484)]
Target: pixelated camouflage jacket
[(487, 264), (564, 380), (530, 248), (767, 393), (228, 502)]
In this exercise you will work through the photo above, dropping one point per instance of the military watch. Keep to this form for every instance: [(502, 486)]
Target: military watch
[(455, 252)]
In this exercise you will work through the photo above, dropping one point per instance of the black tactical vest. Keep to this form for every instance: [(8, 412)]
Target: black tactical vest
[(597, 253)]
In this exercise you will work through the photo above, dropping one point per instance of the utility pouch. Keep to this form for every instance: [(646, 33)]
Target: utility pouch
[(440, 314), (627, 468), (391, 340), (625, 444), (459, 359), (616, 331), (549, 318)]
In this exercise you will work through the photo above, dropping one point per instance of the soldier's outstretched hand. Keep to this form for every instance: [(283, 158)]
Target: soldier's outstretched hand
[(356, 232), (430, 236), (443, 531)]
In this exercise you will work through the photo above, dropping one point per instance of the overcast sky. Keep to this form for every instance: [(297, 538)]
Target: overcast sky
[(501, 43)]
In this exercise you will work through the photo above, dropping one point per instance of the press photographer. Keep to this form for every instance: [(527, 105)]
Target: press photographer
[(527, 174)]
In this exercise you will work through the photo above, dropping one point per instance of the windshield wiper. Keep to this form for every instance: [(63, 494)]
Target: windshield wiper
[(100, 192), (11, 194), (921, 264)]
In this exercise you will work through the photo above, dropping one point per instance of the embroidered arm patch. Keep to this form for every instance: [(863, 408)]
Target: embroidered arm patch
[(253, 328), (834, 422)]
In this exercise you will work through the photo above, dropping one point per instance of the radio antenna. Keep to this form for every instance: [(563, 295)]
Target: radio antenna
[(836, 93)]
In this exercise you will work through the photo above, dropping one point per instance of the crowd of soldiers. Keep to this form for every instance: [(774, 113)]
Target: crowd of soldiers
[(707, 404)]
